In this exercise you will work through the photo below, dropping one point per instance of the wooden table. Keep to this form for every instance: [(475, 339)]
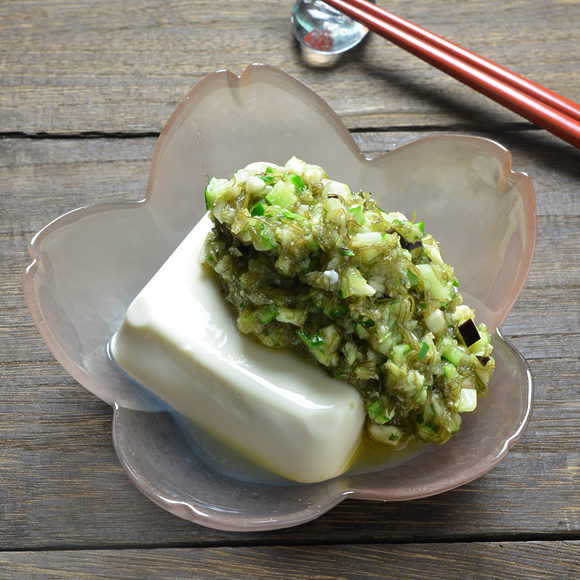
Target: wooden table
[(86, 89)]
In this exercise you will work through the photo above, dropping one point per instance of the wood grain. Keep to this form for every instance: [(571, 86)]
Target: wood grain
[(473, 561), (76, 67), (85, 88), (62, 486)]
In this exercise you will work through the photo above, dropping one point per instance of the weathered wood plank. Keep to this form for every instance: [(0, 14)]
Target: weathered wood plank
[(51, 176), (70, 67), (61, 485), (476, 561)]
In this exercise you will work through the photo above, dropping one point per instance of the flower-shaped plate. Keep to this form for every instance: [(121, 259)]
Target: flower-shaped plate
[(89, 264)]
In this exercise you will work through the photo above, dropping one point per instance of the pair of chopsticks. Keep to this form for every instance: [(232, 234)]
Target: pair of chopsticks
[(539, 105)]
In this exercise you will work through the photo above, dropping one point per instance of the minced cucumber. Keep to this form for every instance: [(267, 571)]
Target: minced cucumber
[(309, 265)]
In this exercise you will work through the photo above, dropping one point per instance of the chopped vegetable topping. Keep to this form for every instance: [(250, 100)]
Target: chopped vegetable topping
[(423, 351), (268, 314), (312, 266)]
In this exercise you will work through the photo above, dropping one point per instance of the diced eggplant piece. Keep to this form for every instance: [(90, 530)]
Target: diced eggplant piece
[(469, 332)]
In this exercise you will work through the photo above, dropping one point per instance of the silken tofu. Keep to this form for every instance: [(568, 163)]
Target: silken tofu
[(179, 340)]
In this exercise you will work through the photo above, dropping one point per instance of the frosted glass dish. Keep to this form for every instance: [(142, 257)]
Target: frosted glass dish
[(89, 264)]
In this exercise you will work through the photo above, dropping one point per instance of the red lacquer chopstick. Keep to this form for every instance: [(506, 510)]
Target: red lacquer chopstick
[(543, 107)]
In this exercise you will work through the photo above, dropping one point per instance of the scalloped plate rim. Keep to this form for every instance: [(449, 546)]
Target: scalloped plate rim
[(34, 249)]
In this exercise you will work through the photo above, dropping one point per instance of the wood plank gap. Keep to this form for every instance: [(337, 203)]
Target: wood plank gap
[(76, 136), (262, 541), (451, 128)]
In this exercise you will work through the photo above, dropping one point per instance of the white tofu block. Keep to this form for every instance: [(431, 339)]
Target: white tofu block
[(179, 340)]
